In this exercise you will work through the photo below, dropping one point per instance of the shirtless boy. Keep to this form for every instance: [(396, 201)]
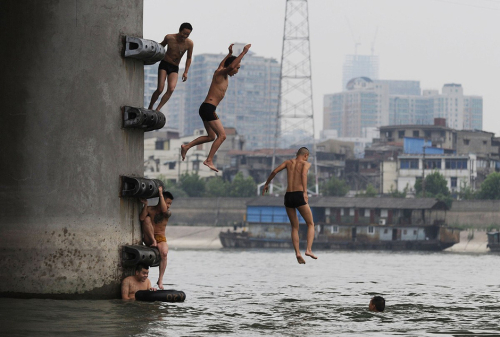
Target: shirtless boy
[(228, 67), (132, 284), (168, 69), (296, 198), (154, 220)]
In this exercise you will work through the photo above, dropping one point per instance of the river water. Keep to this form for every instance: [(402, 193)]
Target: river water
[(265, 292)]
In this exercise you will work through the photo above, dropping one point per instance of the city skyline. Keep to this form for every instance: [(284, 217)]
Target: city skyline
[(434, 42)]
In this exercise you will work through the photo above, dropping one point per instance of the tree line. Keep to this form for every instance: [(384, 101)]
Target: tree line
[(433, 186)]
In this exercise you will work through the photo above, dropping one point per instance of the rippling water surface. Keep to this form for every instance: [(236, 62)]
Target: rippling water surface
[(257, 293)]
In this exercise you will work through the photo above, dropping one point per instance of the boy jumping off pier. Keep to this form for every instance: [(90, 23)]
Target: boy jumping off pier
[(296, 198), (220, 80)]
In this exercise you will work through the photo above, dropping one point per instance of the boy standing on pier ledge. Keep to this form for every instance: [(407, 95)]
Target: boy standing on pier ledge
[(154, 220), (228, 67), (296, 198)]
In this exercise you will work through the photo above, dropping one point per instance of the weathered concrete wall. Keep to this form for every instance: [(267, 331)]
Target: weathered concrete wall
[(474, 213), (62, 146), (208, 211)]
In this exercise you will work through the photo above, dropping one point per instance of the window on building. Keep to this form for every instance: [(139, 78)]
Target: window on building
[(351, 211), (171, 165), (433, 164), (405, 232), (386, 231), (401, 134), (414, 232), (485, 142), (453, 181), (466, 141), (371, 230), (408, 164), (196, 166), (416, 133), (383, 213), (456, 164), (335, 229), (159, 145)]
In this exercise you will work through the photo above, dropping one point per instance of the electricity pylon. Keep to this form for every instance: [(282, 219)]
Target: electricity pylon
[(295, 115)]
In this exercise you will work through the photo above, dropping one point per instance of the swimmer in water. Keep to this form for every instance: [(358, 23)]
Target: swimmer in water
[(154, 220), (220, 80), (377, 304), (139, 281), (296, 198)]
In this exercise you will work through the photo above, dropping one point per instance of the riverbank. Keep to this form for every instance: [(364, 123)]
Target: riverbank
[(207, 237)]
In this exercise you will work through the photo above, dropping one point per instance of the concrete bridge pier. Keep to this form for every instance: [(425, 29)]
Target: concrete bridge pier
[(62, 222)]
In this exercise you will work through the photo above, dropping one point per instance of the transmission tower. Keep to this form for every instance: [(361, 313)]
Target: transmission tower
[(295, 115)]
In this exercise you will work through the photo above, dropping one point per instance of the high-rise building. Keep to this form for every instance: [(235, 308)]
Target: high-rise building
[(359, 66), (250, 104), (150, 82), (368, 103)]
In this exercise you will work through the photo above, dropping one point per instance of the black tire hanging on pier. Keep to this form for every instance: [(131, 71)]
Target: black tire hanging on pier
[(170, 295)]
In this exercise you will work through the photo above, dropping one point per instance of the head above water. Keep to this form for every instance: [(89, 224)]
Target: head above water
[(303, 152), (377, 304), (141, 272)]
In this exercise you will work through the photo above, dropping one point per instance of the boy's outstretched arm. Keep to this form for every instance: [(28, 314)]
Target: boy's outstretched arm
[(272, 175), (237, 60), (221, 65)]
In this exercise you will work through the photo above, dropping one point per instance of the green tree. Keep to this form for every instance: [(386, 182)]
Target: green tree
[(466, 192), (173, 187), (334, 187), (435, 184), (396, 194), (370, 192), (241, 187), (217, 187), (490, 188), (192, 184), (435, 187)]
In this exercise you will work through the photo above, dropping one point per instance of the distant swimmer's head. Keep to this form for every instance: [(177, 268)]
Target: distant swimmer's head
[(303, 152), (377, 304), (184, 30), (141, 272), (228, 62)]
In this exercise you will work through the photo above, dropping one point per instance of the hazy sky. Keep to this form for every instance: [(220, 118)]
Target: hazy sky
[(432, 41)]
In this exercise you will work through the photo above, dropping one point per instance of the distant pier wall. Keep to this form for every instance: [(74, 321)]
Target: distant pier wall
[(62, 149)]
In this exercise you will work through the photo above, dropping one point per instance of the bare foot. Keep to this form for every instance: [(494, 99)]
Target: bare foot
[(183, 152), (160, 284), (300, 259), (310, 254), (210, 165)]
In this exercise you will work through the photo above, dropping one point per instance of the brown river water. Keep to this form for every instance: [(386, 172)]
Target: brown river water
[(266, 293)]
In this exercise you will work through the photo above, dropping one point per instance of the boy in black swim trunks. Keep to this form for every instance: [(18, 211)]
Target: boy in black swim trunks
[(168, 69), (296, 198), (228, 67)]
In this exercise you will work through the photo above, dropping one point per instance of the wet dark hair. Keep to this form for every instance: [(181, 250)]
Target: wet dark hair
[(168, 195), (229, 60), (379, 303), (185, 25), (302, 150), (139, 267)]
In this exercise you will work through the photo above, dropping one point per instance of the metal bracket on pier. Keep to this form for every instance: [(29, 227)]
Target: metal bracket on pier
[(133, 255), (137, 187), (140, 118), (147, 50)]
